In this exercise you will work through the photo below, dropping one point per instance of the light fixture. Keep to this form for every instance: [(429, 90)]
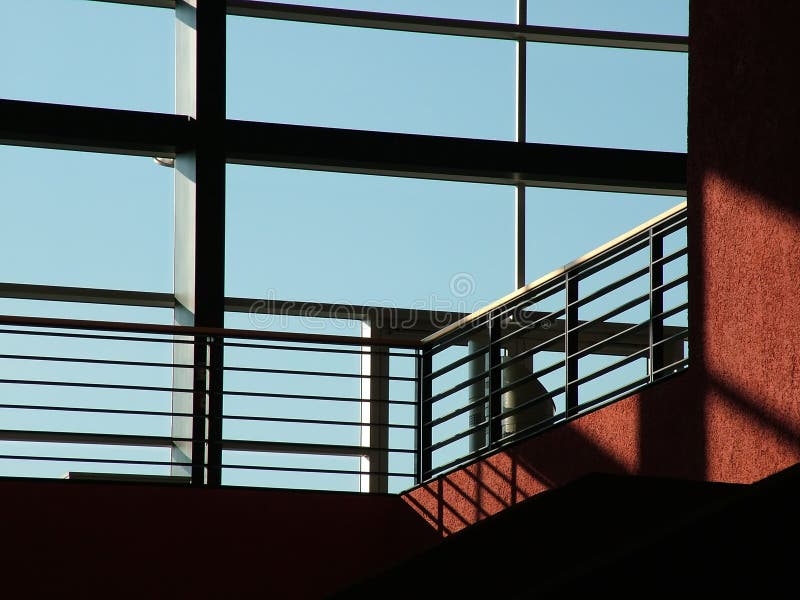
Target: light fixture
[(164, 161)]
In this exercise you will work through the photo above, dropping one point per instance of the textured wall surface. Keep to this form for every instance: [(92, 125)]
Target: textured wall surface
[(75, 539), (735, 414)]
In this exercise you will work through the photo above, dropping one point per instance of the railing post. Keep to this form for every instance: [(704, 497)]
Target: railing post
[(570, 344), (424, 414), (656, 303), (495, 381), (214, 441)]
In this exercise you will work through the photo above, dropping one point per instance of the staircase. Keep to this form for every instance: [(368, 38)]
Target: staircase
[(626, 535)]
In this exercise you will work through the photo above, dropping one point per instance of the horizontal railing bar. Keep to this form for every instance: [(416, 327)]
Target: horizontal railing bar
[(203, 331), (457, 27), (95, 361), (316, 373), (611, 287), (105, 439), (313, 421), (612, 367), (622, 328), (523, 291), (671, 312), (673, 283), (612, 256), (92, 336), (553, 325), (110, 386), (670, 226), (303, 448), (457, 436), (626, 388), (670, 257), (509, 386), (110, 461), (312, 397), (317, 470), (320, 350), (464, 332), (677, 363), (84, 409)]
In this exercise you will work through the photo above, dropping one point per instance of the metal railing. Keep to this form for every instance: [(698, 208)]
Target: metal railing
[(576, 339), (106, 399), (379, 411)]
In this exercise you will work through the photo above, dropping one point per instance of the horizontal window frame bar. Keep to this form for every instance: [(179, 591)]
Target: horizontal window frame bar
[(457, 27), (441, 25), (90, 129)]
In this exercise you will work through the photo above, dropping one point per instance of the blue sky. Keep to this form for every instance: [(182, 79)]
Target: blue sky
[(106, 221), (92, 53)]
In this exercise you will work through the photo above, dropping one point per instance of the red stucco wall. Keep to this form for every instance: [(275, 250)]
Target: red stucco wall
[(73, 539), (735, 414)]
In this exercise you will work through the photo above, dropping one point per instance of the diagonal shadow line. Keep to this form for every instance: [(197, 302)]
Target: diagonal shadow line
[(435, 520), (755, 410)]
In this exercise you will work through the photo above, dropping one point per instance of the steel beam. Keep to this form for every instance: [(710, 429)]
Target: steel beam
[(462, 159), (459, 27), (65, 127)]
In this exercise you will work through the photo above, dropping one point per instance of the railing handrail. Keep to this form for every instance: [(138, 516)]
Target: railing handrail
[(216, 332), (619, 240)]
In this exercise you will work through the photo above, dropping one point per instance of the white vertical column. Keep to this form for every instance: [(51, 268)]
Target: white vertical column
[(199, 255), (374, 412)]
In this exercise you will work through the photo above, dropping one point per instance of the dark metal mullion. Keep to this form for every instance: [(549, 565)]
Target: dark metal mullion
[(424, 415)]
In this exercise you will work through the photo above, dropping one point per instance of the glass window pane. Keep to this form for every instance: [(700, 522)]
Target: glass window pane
[(370, 79), (360, 239), (562, 225), (669, 17), (609, 97), (88, 53), (86, 219)]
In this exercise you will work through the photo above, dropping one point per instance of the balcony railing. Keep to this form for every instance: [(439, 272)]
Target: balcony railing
[(576, 339), (402, 402)]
